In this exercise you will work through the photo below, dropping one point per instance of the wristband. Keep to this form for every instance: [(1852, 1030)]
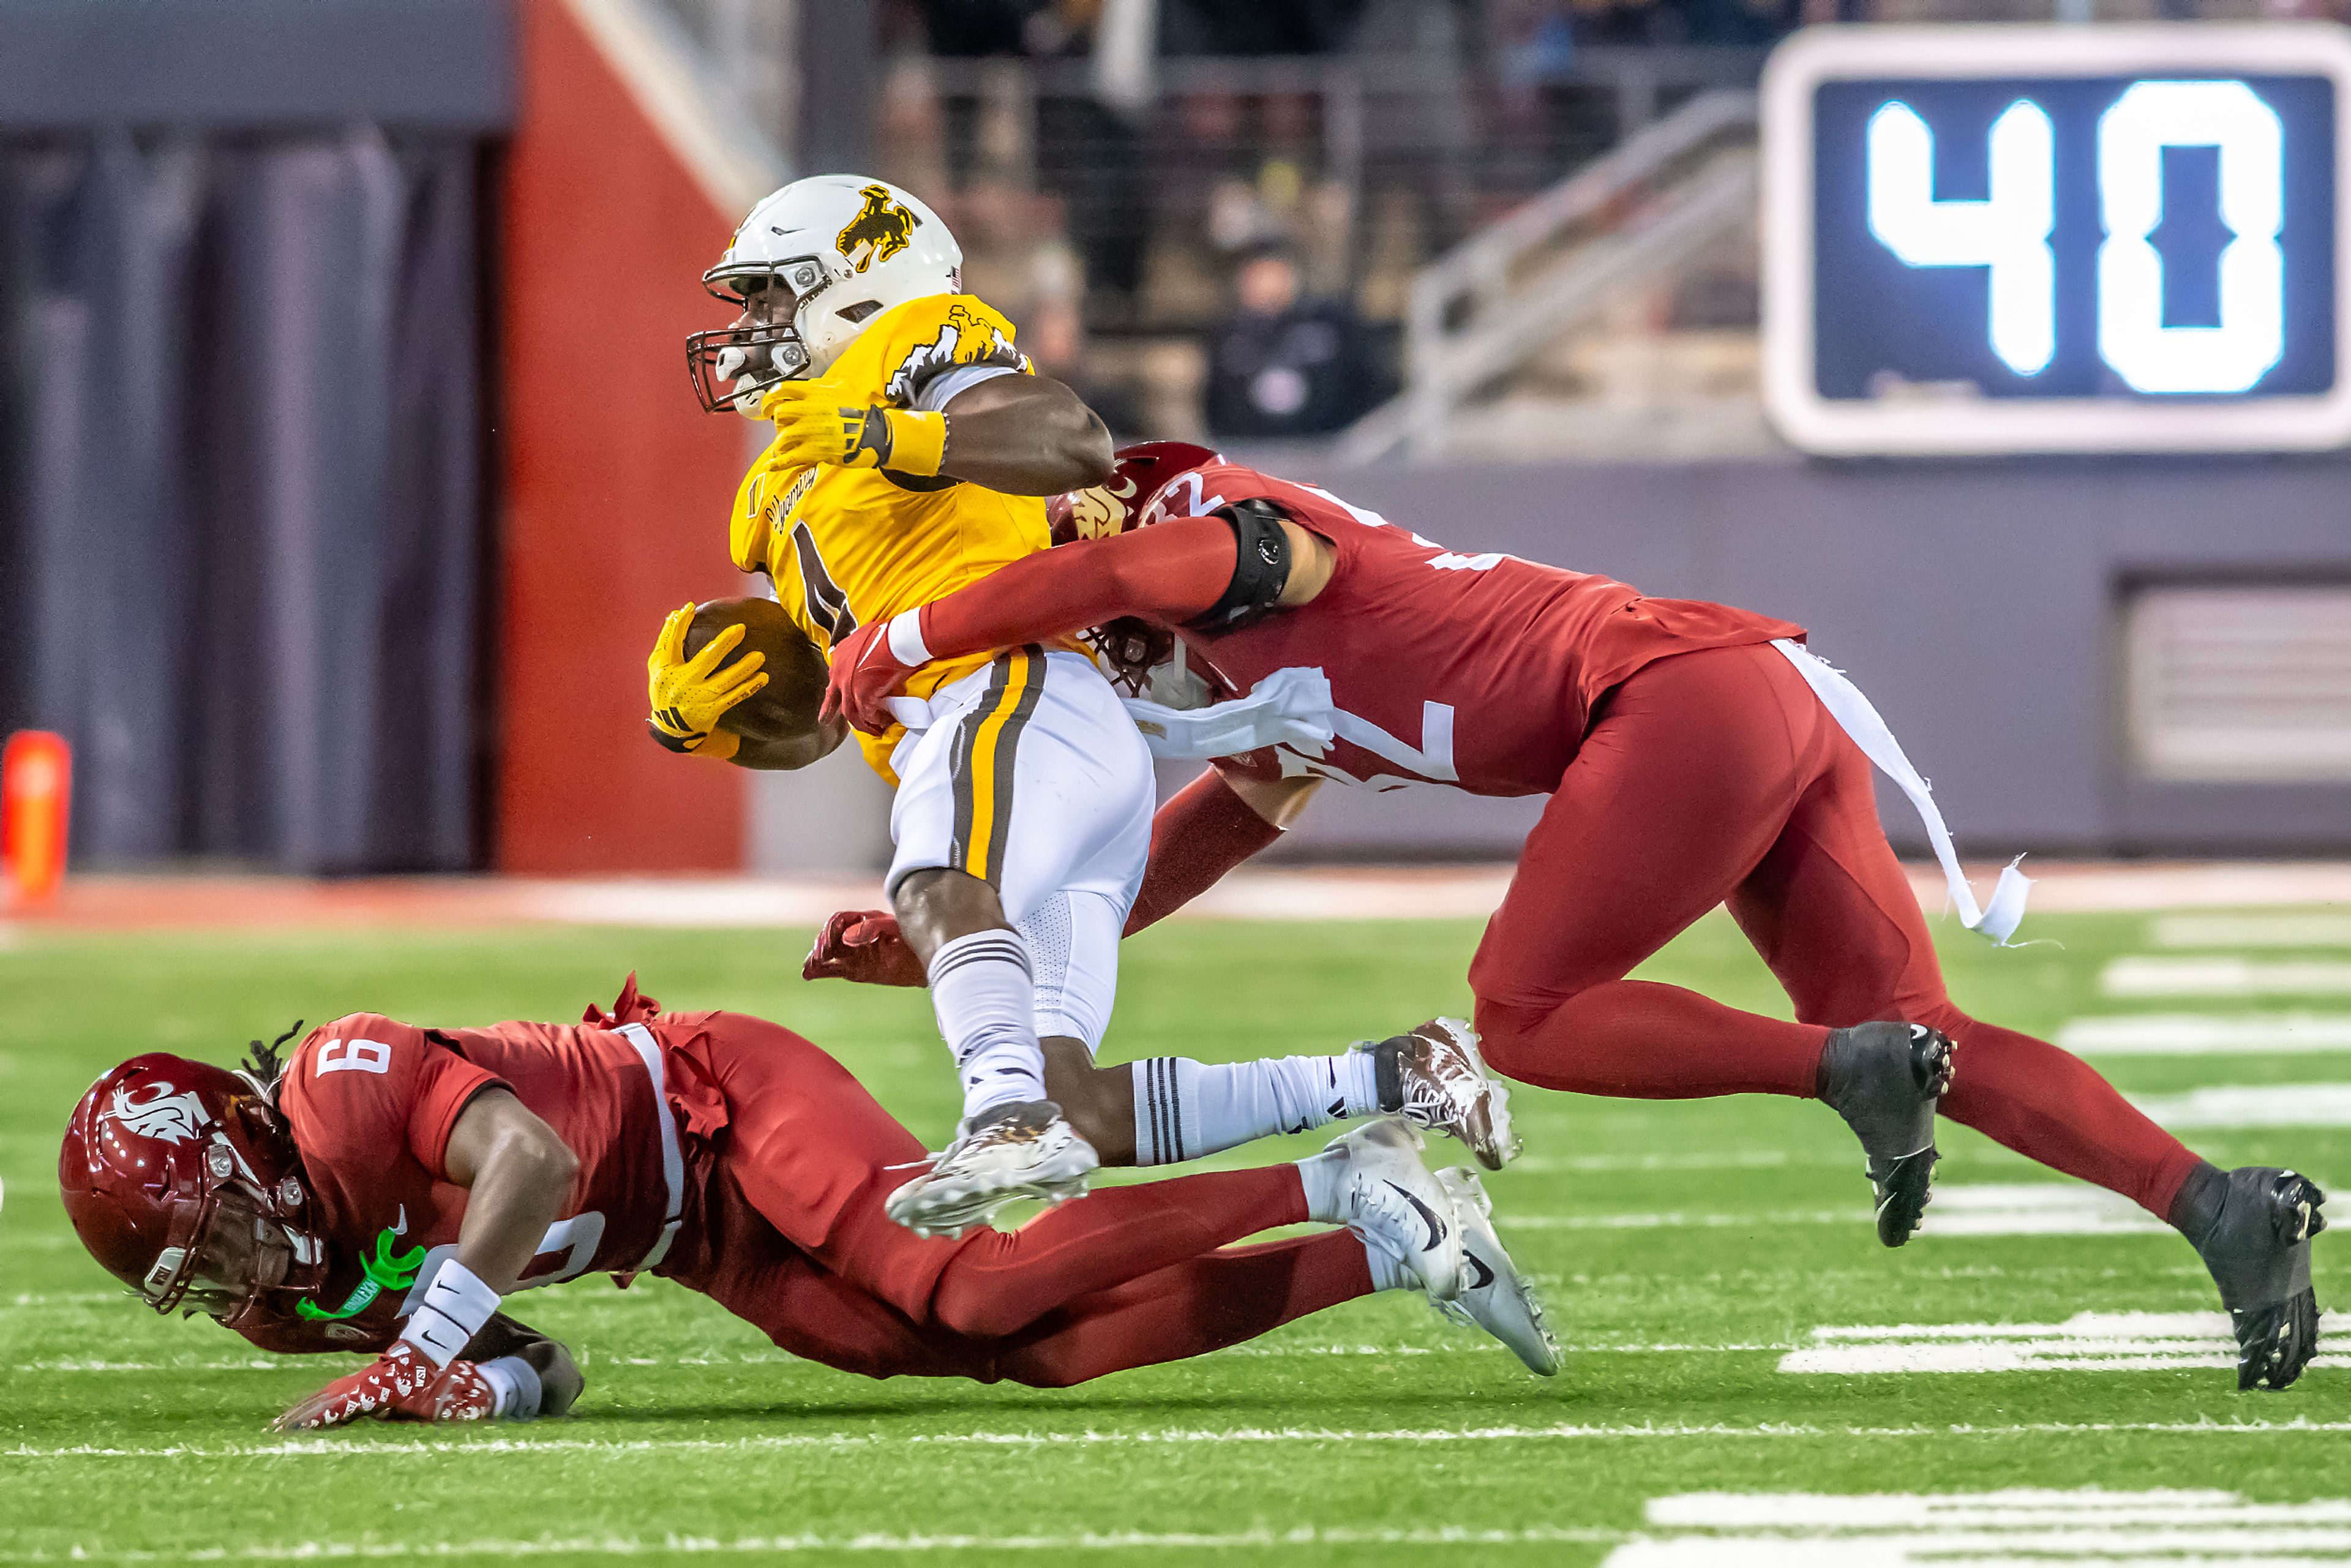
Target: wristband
[(918, 441), (515, 1382), (456, 1306), (905, 637)]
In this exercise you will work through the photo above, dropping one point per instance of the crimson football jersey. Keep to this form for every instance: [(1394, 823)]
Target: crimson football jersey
[(371, 1103), (1478, 671)]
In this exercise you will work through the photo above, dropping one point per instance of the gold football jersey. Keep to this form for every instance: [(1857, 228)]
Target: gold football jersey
[(847, 546)]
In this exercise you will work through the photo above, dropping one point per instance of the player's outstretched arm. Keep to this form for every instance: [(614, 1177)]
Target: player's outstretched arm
[(1024, 436), (1175, 574), (518, 1171), (1205, 830)]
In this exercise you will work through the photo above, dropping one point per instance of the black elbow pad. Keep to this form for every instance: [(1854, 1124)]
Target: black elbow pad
[(1260, 568)]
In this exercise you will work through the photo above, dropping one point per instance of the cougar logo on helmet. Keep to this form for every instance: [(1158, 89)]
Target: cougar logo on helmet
[(881, 229), (1098, 513), (171, 1118)]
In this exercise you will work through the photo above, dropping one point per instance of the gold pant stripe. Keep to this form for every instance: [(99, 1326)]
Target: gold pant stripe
[(987, 747)]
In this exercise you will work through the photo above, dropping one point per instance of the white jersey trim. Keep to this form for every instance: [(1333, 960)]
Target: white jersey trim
[(943, 388), (673, 1161)]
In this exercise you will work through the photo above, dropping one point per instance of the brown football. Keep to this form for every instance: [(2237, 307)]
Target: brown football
[(785, 709)]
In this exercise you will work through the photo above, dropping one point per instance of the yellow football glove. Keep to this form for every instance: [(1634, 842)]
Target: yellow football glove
[(822, 422), (690, 696)]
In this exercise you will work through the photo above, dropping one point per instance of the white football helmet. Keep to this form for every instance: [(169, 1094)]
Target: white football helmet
[(848, 249)]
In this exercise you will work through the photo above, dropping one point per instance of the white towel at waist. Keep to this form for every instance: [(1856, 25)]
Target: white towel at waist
[(1997, 920)]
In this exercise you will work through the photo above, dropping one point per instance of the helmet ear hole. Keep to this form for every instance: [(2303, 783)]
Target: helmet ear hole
[(859, 311)]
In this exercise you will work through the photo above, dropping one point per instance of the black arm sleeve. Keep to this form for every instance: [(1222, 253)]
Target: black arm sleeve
[(1260, 568)]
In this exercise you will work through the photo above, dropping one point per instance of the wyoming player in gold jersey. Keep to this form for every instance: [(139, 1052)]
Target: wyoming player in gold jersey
[(914, 442)]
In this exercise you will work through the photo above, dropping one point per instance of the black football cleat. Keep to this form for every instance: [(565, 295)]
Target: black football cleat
[(1885, 1079), (2252, 1226)]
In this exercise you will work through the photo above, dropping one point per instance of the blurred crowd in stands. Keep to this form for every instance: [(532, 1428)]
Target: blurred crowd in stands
[(1230, 249), (1232, 254)]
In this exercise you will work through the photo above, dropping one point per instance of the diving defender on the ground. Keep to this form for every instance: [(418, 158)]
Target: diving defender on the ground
[(1695, 754), (386, 1185), (911, 466)]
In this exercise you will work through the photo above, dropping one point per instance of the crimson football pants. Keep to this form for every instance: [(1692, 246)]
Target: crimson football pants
[(791, 1235), (1717, 777)]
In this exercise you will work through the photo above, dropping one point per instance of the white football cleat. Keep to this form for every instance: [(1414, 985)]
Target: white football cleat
[(1493, 1297), (1434, 1078), (1025, 1149), (1392, 1202)]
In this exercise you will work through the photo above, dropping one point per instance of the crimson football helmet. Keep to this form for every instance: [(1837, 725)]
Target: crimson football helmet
[(1144, 470), (180, 1178), (1132, 651)]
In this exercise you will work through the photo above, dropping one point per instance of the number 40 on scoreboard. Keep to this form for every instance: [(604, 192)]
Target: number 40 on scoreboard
[(2012, 239)]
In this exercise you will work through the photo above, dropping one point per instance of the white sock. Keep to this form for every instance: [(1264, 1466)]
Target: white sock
[(1184, 1109), (1324, 1177), (986, 1007), (1388, 1273)]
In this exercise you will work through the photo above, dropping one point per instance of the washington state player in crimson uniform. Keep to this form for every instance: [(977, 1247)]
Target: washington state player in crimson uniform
[(1690, 763), (393, 1185)]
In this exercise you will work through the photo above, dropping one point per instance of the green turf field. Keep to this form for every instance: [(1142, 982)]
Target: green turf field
[(1688, 1250)]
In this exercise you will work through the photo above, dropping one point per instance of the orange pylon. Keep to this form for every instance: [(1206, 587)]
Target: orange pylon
[(36, 801)]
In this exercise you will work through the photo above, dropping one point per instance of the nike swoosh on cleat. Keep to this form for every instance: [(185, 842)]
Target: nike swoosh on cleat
[(1485, 1275), (1435, 1226)]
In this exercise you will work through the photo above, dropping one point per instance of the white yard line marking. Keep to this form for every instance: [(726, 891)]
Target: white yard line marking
[(2035, 1208), (2024, 1525), (373, 1450), (2223, 976), (1732, 1159), (781, 1358), (2267, 1105), (1977, 1209), (2118, 887), (700, 1545), (1679, 1220), (2203, 1034), (2087, 1341), (2324, 929)]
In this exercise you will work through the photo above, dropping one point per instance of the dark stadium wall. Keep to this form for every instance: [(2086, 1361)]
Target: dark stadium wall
[(616, 484), (1977, 603), (242, 434)]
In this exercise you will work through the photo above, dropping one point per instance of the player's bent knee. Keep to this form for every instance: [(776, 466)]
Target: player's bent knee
[(1505, 1035), (937, 904), (983, 1305)]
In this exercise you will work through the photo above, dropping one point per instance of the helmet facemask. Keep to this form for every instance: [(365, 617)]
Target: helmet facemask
[(240, 1257), (735, 366), (237, 1240)]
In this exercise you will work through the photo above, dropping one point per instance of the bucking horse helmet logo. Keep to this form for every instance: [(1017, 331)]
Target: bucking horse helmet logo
[(882, 228), (173, 1118)]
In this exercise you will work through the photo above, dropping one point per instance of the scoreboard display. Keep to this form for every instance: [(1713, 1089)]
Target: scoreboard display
[(1986, 239)]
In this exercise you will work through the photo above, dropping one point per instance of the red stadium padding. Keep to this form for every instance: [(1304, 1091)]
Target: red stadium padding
[(616, 482)]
